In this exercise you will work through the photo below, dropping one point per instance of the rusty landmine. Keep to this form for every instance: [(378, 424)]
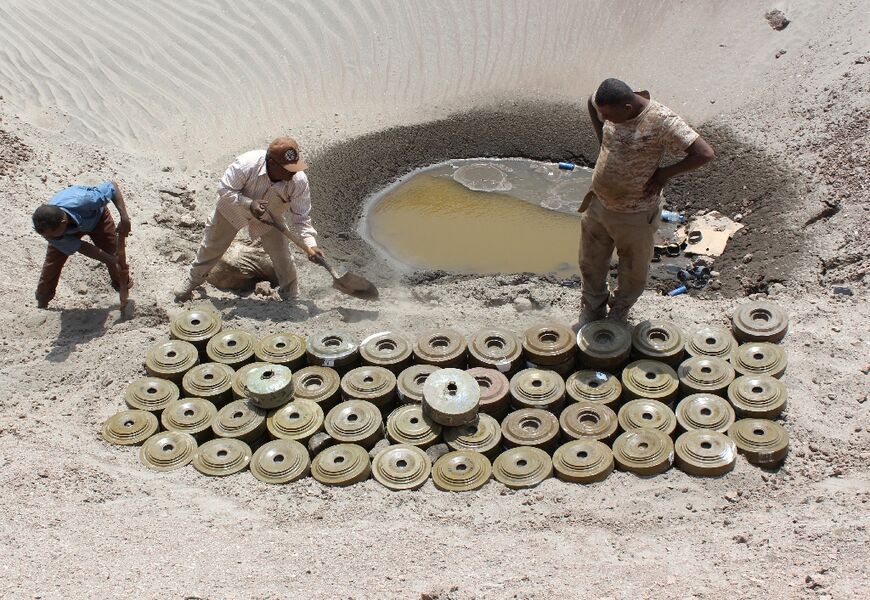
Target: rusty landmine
[(167, 451), (408, 425), (759, 321), (130, 427), (240, 390), (221, 457), (594, 386), (531, 427), (451, 397), (335, 349), (171, 360), (705, 453), (644, 452), (240, 419), (269, 386), (461, 471), (151, 393), (762, 441), (190, 415), (233, 347), (522, 467), (196, 326), (280, 461), (649, 379), (704, 411), (373, 384), (318, 384), (588, 420), (583, 461), (494, 391), (445, 348), (298, 420), (660, 340), (759, 358), (342, 464), (212, 381), (538, 388), (483, 435), (644, 413), (386, 349), (758, 396), (711, 340), (549, 344), (603, 345), (409, 383), (497, 349), (705, 375), (355, 422), (401, 467), (287, 349)]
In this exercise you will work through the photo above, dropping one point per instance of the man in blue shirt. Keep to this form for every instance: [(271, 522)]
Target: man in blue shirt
[(71, 214)]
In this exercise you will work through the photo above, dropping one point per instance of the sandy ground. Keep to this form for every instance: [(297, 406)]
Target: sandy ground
[(153, 102)]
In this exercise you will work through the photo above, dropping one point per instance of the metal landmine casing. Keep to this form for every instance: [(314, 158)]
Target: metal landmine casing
[(643, 452), (497, 349), (522, 467), (483, 435), (588, 420), (335, 349), (355, 422), (644, 413), (759, 358), (240, 388), (298, 420), (538, 388), (386, 349), (240, 419), (549, 344), (763, 442), (287, 349), (531, 427), (151, 393), (758, 396), (759, 321), (212, 381), (130, 427), (704, 411), (649, 379), (221, 457), (494, 391), (660, 340), (280, 461), (409, 383), (563, 369), (451, 397), (408, 425), (167, 451), (196, 326), (461, 471), (401, 467), (318, 384), (445, 348), (705, 453), (583, 461), (704, 375), (594, 386), (342, 464), (171, 360), (233, 347), (372, 384), (603, 345), (190, 415), (269, 386), (711, 341)]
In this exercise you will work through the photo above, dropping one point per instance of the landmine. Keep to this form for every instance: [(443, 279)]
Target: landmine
[(704, 375), (286, 349), (704, 411), (451, 397), (759, 358), (644, 413), (649, 379), (212, 381), (342, 464), (401, 467), (190, 415), (497, 349), (408, 425), (594, 386), (538, 388), (232, 347), (758, 396), (759, 321), (196, 326), (268, 386), (298, 420), (583, 461), (444, 348), (712, 341), (372, 384), (280, 461), (221, 457), (355, 422), (171, 360), (240, 387), (588, 420), (494, 392), (659, 340), (603, 345), (461, 471), (522, 467), (241, 420), (409, 383), (167, 451), (705, 453), (531, 427), (334, 349), (386, 349), (483, 435), (151, 393), (321, 385)]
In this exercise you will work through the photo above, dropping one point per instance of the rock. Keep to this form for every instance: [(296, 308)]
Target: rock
[(319, 442), (740, 539), (378, 447), (780, 52), (176, 257), (82, 288), (777, 19), (263, 288), (715, 285), (747, 259), (522, 304), (731, 496), (437, 451), (738, 217), (843, 290), (775, 289)]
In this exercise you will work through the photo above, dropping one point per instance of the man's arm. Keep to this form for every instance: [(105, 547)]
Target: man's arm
[(231, 185), (300, 215), (698, 154), (118, 199), (597, 125)]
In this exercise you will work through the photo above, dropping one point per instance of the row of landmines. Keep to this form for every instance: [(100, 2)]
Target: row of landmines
[(547, 402)]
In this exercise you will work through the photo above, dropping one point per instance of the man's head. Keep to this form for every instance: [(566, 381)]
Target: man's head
[(50, 221), (283, 154), (616, 101)]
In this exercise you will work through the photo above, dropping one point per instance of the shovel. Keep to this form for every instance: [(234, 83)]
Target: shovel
[(342, 279)]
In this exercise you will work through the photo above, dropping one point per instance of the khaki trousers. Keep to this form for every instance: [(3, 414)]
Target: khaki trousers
[(633, 236)]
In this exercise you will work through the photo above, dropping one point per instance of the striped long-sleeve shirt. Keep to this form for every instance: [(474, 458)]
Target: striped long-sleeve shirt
[(246, 180)]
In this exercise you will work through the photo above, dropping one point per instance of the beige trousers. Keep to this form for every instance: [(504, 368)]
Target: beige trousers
[(633, 236)]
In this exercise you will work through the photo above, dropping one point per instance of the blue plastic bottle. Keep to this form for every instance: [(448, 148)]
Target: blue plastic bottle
[(673, 217), (567, 166)]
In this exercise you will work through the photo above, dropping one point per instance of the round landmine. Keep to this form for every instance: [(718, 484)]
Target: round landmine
[(656, 339), (401, 467), (762, 441), (759, 358), (408, 425), (287, 349), (522, 467), (483, 435), (196, 326), (494, 391), (461, 471), (335, 349), (705, 453), (241, 420), (233, 347), (531, 427), (167, 451), (583, 461), (549, 344), (563, 369), (712, 341), (451, 397), (240, 389), (171, 360), (758, 396), (280, 461), (212, 381), (373, 384), (538, 388), (445, 348), (409, 383), (644, 413), (298, 420), (497, 349), (643, 452), (704, 411), (222, 456), (342, 464), (386, 349), (588, 420), (594, 386), (603, 345), (355, 422), (704, 375), (318, 384), (130, 427), (190, 415), (151, 393), (649, 379), (269, 386), (759, 321)]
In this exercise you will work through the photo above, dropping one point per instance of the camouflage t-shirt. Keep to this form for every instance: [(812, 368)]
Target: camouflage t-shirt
[(632, 151)]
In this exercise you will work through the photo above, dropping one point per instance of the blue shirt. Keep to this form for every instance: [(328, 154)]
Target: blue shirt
[(84, 205)]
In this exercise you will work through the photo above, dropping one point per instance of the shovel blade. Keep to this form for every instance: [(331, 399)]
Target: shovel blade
[(354, 285)]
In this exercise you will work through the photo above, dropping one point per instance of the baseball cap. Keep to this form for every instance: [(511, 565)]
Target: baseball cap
[(285, 151)]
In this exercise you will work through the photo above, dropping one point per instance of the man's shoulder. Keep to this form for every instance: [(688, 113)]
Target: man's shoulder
[(251, 157), (71, 195), (661, 112)]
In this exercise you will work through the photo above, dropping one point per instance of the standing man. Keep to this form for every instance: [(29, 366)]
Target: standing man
[(258, 180), (71, 214), (622, 210)]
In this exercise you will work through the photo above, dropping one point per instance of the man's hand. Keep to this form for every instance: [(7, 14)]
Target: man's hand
[(656, 183), (123, 227), (258, 208), (314, 252)]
